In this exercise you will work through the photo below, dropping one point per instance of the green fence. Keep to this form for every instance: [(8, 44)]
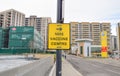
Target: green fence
[(14, 51), (0, 37), (19, 43), (4, 51)]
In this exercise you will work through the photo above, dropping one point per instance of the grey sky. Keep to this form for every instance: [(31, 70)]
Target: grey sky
[(75, 10)]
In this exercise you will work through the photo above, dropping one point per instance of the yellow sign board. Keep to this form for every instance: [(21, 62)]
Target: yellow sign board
[(59, 36), (104, 38), (104, 54), (104, 48)]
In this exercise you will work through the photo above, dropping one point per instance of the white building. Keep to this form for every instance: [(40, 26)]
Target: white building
[(84, 47)]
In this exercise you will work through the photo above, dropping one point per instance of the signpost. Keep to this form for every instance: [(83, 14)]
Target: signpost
[(58, 39), (60, 19), (59, 36)]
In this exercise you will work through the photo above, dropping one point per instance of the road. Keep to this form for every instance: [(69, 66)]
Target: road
[(92, 68)]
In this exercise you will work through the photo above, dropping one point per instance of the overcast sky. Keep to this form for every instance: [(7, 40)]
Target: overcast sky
[(75, 10)]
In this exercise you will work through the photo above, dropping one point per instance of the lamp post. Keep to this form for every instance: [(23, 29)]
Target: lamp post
[(60, 19)]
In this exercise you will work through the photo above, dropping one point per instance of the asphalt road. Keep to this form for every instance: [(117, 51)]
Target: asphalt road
[(93, 68)]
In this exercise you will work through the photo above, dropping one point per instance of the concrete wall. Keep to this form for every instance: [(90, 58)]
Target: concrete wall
[(37, 68)]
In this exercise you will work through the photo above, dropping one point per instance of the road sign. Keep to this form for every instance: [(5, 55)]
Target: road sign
[(59, 36)]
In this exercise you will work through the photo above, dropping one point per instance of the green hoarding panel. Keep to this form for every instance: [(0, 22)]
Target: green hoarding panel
[(0, 31), (4, 37), (15, 43), (1, 41), (18, 44), (26, 44), (14, 51), (0, 37), (21, 29), (26, 36), (1, 45), (15, 36)]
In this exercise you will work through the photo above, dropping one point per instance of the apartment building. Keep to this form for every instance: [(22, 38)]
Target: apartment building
[(11, 17), (74, 32), (95, 33), (31, 21), (41, 24), (113, 42), (86, 30)]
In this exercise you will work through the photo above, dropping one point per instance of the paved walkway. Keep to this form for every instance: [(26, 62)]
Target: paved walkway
[(67, 69)]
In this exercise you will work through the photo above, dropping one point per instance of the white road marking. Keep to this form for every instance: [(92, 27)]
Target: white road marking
[(52, 71), (96, 65)]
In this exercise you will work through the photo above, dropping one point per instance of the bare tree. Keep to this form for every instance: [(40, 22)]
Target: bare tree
[(31, 46)]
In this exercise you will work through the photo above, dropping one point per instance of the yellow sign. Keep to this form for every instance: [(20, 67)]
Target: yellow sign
[(104, 38), (104, 44), (104, 54), (59, 36)]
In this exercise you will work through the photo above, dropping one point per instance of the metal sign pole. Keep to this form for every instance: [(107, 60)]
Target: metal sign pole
[(59, 52)]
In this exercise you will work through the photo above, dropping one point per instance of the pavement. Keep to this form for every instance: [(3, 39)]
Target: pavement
[(67, 69), (19, 65), (12, 61)]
